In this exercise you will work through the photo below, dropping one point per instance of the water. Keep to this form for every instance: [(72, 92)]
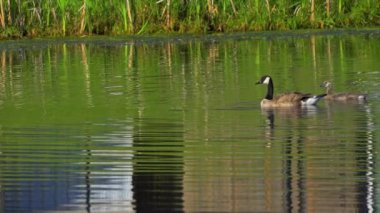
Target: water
[(174, 124)]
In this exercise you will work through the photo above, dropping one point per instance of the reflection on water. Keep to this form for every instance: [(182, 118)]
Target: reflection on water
[(43, 168), (292, 114), (158, 188), (148, 126), (337, 180)]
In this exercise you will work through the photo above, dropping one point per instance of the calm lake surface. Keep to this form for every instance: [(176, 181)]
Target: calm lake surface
[(174, 124)]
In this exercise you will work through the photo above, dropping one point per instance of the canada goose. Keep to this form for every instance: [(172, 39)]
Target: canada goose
[(342, 97), (287, 99)]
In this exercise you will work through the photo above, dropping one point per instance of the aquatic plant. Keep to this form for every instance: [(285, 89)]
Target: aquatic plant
[(62, 17)]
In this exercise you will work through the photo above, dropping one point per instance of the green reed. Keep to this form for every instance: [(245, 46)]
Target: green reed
[(62, 4), (85, 17)]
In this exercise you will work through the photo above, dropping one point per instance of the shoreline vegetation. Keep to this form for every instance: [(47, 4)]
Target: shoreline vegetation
[(60, 18)]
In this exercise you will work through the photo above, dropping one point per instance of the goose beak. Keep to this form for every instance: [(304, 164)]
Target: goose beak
[(258, 82)]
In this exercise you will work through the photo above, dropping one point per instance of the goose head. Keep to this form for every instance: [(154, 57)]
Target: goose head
[(329, 87), (264, 80), (326, 84)]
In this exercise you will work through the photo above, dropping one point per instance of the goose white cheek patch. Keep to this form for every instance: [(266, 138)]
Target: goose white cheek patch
[(266, 81)]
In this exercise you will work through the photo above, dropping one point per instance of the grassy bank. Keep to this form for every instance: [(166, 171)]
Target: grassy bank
[(30, 18)]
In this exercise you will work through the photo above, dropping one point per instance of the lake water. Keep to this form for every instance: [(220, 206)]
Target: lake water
[(174, 124)]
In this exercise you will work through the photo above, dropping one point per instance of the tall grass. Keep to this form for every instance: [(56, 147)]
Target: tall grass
[(20, 18)]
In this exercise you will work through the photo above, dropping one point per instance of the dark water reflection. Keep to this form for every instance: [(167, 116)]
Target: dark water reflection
[(158, 168), (175, 125)]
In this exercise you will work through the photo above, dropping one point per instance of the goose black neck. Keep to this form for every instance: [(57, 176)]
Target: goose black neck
[(269, 95)]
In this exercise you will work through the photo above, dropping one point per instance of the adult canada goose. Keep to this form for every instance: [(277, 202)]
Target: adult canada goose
[(342, 97), (287, 99)]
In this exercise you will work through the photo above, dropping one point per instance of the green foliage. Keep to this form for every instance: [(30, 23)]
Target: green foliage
[(64, 17)]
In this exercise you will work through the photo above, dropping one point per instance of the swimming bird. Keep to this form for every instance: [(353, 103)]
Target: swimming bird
[(287, 99), (342, 97)]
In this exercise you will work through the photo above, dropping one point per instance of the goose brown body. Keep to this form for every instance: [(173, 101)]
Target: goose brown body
[(284, 100), (292, 99)]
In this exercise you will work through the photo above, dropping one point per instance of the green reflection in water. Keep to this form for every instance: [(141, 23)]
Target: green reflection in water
[(176, 125)]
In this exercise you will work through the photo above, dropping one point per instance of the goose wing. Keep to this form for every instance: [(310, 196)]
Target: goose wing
[(293, 97), (296, 98)]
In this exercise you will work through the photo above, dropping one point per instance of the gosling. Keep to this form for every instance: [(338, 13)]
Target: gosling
[(342, 97)]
